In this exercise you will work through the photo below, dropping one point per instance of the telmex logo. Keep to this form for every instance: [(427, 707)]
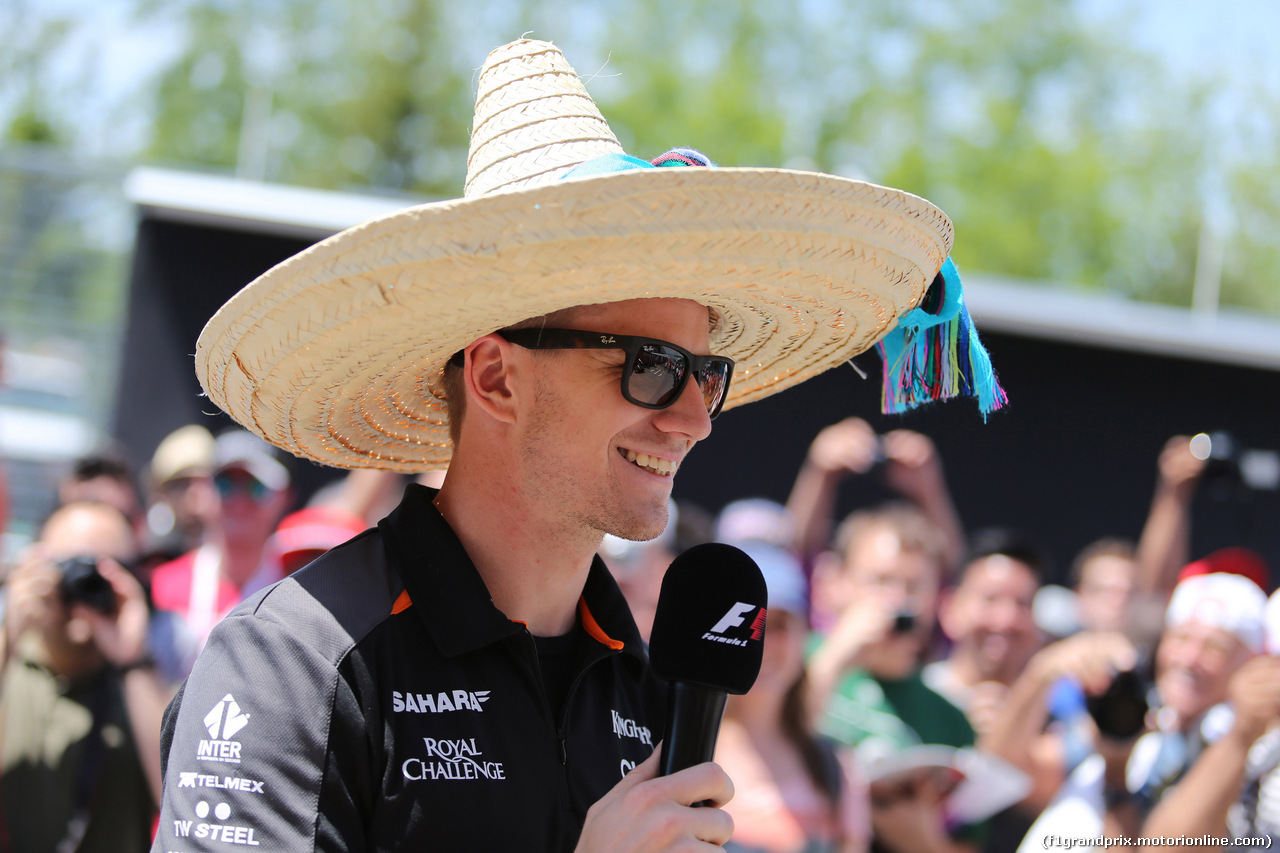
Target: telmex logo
[(734, 618), (426, 703), (223, 723)]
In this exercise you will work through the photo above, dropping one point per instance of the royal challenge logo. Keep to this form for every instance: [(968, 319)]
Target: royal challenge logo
[(452, 760), (729, 630), (223, 723)]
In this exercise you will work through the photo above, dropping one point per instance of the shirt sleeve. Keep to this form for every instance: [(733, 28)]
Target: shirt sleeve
[(266, 748)]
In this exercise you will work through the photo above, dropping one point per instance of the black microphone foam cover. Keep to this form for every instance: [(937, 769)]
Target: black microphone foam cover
[(709, 625)]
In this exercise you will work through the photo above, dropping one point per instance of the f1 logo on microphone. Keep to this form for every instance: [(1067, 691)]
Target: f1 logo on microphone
[(735, 618)]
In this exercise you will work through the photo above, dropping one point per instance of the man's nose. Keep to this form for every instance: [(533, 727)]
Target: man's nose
[(687, 416)]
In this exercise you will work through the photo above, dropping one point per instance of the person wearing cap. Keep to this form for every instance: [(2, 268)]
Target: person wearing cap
[(183, 503), (467, 676), (1213, 628), (306, 534), (233, 562), (794, 790), (1233, 790)]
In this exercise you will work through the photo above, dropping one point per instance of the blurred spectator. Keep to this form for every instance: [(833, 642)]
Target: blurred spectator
[(794, 792), (908, 463), (234, 562), (865, 675), (987, 617), (1213, 627), (182, 499), (638, 567), (306, 534), (1233, 788), (1165, 545), (1104, 577), (103, 477), (80, 704), (758, 519)]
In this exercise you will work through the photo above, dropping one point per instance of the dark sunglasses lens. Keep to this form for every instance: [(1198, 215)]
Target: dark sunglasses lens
[(227, 487), (714, 382), (656, 375)]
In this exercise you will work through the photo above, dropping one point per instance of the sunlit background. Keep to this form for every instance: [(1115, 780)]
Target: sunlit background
[(1128, 146)]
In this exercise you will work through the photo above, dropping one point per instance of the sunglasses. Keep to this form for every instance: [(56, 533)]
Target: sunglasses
[(228, 484), (655, 371)]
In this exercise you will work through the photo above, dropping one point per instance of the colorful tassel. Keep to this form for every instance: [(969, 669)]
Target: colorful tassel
[(934, 353)]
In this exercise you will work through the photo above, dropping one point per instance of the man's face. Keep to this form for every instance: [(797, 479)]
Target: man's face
[(877, 568), (1193, 665), (247, 510), (1105, 591), (578, 437), (85, 530), (989, 617)]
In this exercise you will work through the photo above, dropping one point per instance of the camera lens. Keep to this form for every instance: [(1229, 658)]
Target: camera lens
[(82, 582)]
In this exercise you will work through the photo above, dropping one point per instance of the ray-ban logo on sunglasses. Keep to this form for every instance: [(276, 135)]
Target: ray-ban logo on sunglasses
[(607, 339)]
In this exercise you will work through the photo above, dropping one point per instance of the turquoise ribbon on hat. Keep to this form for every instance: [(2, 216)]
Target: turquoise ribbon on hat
[(934, 352)]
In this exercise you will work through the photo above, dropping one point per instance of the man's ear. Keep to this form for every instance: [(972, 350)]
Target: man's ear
[(488, 376)]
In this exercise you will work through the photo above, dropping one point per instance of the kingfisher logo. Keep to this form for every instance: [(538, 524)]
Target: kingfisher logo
[(736, 617), (438, 703), (626, 727), (223, 723)]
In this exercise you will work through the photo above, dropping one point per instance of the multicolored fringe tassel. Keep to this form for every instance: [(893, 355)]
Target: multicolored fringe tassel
[(934, 353)]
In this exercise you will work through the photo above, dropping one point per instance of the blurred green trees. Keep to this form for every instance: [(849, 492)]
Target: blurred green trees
[(1062, 153)]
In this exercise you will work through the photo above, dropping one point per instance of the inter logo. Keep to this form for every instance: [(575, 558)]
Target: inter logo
[(223, 722)]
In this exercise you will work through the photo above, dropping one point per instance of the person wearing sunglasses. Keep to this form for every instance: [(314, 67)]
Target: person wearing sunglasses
[(234, 560), (467, 675)]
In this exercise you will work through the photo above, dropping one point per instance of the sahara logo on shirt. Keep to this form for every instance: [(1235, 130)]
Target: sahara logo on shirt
[(426, 703), (451, 760), (223, 723)]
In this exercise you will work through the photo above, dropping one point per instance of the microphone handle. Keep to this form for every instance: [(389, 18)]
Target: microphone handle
[(693, 723)]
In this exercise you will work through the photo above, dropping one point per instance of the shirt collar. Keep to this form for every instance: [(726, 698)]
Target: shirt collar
[(452, 600)]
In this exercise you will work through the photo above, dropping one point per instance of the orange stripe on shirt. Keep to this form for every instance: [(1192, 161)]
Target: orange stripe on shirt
[(403, 603), (594, 629)]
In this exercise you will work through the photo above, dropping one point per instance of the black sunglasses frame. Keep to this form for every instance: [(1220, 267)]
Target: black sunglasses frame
[(634, 347)]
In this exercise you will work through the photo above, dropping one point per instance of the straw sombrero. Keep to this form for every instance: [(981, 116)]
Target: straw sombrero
[(337, 354)]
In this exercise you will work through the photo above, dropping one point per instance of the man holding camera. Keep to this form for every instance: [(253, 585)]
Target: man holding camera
[(80, 705)]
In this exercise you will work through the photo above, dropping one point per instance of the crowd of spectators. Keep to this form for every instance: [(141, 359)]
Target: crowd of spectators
[(923, 688)]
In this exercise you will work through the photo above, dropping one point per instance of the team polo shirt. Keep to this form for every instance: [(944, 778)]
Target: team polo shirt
[(378, 700)]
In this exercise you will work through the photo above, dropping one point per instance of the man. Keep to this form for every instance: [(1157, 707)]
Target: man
[(1104, 576), (907, 461), (987, 616), (467, 675), (80, 701), (1213, 627), (233, 562), (865, 676), (183, 503)]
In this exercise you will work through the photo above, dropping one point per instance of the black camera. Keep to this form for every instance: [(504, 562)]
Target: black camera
[(1229, 467), (82, 582), (1120, 712)]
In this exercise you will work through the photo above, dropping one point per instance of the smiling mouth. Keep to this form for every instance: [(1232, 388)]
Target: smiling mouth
[(652, 464)]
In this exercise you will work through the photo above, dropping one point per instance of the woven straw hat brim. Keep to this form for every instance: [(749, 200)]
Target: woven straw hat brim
[(337, 354)]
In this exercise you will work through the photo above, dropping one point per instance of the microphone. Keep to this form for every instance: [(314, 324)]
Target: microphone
[(707, 641)]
